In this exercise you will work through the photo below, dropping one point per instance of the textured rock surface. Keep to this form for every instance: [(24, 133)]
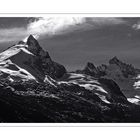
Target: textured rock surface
[(39, 102)]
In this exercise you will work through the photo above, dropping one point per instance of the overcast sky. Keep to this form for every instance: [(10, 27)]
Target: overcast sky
[(73, 41)]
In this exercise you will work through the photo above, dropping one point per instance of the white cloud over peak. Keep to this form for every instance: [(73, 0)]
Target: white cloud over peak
[(59, 25), (55, 25)]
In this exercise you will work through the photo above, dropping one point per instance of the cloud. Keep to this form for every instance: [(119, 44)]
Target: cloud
[(54, 26), (60, 25), (12, 34), (136, 26)]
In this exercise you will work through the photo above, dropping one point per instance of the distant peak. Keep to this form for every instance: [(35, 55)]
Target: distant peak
[(114, 60), (91, 65)]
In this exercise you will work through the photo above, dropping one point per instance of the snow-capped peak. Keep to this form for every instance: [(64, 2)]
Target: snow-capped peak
[(31, 36), (29, 56)]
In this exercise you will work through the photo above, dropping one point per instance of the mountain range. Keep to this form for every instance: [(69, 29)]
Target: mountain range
[(34, 88)]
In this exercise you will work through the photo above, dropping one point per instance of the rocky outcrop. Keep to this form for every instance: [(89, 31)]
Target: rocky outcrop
[(90, 69), (43, 60), (114, 92)]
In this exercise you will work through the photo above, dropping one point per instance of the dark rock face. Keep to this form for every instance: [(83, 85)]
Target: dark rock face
[(37, 102), (43, 60), (39, 63), (33, 44), (90, 69), (115, 94)]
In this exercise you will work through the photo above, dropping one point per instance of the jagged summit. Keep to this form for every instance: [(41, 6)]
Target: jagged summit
[(32, 41), (126, 69), (31, 37), (90, 69), (114, 60), (115, 68), (33, 45), (90, 65)]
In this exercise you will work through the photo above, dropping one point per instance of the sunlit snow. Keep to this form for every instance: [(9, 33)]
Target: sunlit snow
[(21, 73), (103, 98), (91, 87), (50, 80), (133, 100)]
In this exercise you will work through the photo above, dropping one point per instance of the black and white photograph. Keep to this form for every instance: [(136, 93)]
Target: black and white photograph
[(69, 69)]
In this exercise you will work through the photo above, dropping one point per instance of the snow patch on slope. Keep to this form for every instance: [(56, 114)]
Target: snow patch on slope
[(88, 83), (13, 51), (74, 75), (137, 83), (8, 53), (49, 80), (133, 100), (103, 98), (85, 81), (93, 87), (26, 51), (15, 71)]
